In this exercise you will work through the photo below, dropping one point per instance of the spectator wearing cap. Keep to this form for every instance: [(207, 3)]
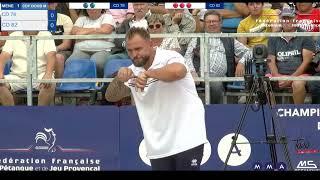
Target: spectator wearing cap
[(290, 56), (259, 21)]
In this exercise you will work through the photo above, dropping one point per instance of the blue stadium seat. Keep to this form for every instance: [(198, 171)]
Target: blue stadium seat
[(80, 68), (112, 66), (236, 85)]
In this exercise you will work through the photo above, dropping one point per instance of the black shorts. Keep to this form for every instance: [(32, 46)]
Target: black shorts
[(189, 160)]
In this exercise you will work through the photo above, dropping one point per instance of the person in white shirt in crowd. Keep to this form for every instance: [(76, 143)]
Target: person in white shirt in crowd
[(94, 21), (222, 52), (17, 51), (171, 113), (64, 46), (119, 15)]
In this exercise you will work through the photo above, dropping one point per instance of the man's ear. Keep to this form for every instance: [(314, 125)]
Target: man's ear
[(150, 43)]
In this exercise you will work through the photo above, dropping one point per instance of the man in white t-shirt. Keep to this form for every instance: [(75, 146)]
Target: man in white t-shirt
[(17, 51), (171, 113)]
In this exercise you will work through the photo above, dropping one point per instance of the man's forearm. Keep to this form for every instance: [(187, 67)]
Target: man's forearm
[(51, 62), (116, 91), (273, 68), (301, 69), (170, 72)]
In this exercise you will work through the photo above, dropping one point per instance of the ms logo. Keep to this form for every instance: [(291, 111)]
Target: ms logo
[(46, 140), (240, 152)]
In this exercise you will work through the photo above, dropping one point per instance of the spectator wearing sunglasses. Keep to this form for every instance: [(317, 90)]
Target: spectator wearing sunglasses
[(156, 26)]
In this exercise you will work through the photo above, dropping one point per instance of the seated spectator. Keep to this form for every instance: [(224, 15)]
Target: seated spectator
[(3, 33), (222, 53), (177, 21), (64, 46), (156, 26), (259, 21), (290, 56), (93, 22), (17, 51), (158, 8), (232, 14), (138, 20), (63, 8), (308, 17), (119, 15)]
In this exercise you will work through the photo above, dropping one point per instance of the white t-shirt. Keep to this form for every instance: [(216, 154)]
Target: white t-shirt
[(18, 50), (171, 114), (66, 22), (142, 23), (95, 45)]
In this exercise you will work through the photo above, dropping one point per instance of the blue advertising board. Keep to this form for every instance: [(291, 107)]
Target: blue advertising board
[(104, 138)]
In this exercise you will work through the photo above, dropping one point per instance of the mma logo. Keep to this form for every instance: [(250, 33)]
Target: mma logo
[(240, 152)]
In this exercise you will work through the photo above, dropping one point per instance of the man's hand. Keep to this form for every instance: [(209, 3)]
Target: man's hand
[(177, 18), (239, 70), (195, 12), (141, 81), (124, 74), (2, 77), (284, 84), (46, 85), (195, 75)]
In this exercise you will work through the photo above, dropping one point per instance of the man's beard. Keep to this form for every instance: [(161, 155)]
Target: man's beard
[(141, 63)]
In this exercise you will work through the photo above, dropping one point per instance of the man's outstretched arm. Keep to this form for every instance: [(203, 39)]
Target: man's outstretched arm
[(170, 72), (116, 91)]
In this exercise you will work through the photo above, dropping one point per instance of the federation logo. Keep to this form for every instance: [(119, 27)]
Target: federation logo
[(239, 154), (46, 141), (146, 160), (48, 137)]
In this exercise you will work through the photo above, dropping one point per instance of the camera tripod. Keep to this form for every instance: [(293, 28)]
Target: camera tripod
[(262, 86)]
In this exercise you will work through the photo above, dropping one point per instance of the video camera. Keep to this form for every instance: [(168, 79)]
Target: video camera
[(259, 63)]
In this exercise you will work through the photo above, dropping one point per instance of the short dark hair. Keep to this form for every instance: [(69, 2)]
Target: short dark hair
[(85, 13), (212, 12), (137, 30), (254, 2)]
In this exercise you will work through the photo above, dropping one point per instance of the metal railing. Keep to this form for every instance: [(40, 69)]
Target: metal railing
[(32, 54)]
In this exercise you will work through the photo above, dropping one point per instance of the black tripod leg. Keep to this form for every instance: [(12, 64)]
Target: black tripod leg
[(240, 123), (283, 138)]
